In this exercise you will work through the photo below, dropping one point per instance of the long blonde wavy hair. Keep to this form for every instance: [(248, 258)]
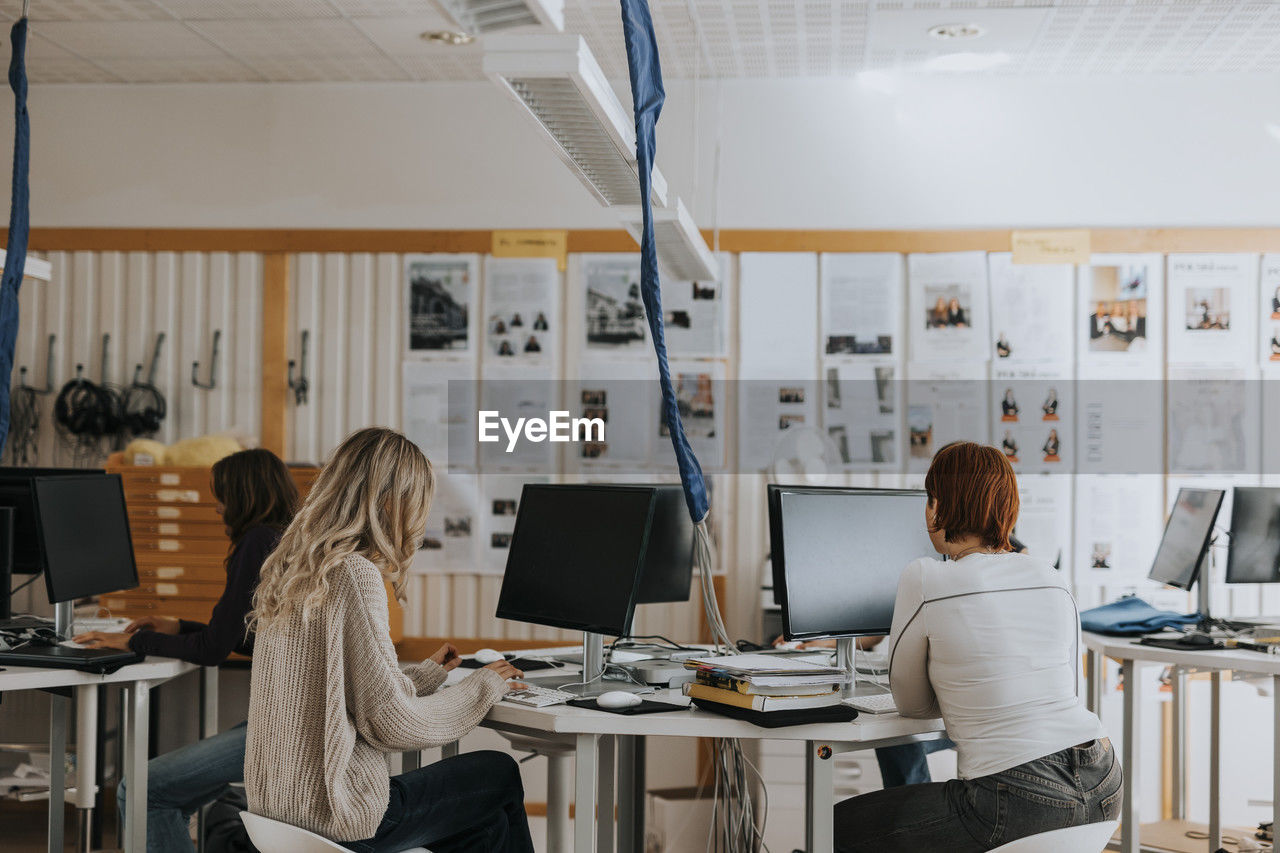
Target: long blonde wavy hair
[(370, 499)]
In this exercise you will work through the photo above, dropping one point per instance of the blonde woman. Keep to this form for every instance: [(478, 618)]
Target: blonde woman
[(328, 699)]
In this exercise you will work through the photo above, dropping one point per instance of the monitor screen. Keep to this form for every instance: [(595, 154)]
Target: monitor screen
[(84, 533), (668, 561), (576, 557), (837, 556), (1254, 556), (1186, 537), (15, 492)]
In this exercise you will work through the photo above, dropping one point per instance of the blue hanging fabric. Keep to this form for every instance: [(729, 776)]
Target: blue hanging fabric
[(15, 259), (647, 96)]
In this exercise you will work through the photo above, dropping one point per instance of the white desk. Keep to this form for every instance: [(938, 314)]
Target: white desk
[(1132, 655), (138, 680)]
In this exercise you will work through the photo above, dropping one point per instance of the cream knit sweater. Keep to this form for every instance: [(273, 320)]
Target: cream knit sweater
[(328, 700)]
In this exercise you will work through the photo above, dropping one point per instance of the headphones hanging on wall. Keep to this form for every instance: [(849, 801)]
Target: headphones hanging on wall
[(143, 406)]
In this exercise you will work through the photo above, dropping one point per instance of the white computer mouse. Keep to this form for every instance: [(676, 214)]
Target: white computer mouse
[(488, 656), (617, 699)]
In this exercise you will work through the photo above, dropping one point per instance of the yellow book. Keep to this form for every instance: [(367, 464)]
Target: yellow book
[(760, 703)]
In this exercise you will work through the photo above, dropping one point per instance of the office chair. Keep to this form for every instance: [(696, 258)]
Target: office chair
[(273, 836), (1089, 838)]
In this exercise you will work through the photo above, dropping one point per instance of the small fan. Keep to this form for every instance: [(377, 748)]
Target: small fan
[(804, 455)]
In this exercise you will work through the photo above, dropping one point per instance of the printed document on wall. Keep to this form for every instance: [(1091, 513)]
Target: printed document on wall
[(1033, 410), (778, 310), (944, 404), (441, 306), (1212, 305), (612, 308), (701, 396), (1120, 426), (1119, 521), (695, 315), (1120, 313), (862, 310), (499, 503), (948, 313), (622, 395), (438, 405), (768, 406), (449, 542), (1214, 417), (1044, 518), (518, 395), (862, 415), (1031, 310), (522, 313), (1269, 311)]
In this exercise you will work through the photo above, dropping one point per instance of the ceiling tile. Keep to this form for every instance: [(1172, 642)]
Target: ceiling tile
[(185, 70), (402, 36), (126, 39), (229, 10), (342, 69), (318, 38)]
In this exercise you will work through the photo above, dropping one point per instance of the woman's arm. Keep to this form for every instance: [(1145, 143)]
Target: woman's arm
[(909, 649), (209, 645)]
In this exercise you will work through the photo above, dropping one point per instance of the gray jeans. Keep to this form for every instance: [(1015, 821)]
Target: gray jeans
[(1076, 786)]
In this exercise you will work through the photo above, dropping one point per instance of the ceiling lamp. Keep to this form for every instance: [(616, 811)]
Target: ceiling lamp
[(560, 85), (485, 16), (682, 252)]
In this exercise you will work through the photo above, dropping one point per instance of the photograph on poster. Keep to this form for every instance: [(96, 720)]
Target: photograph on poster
[(694, 314), (1208, 309), (861, 303), (614, 309), (766, 410), (449, 541), (440, 295), (862, 414), (1117, 320), (521, 308)]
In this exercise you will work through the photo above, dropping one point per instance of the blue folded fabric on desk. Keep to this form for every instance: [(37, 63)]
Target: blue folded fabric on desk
[(1132, 617)]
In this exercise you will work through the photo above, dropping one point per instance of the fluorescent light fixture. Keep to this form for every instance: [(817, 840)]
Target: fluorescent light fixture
[(967, 61), (485, 16), (36, 268), (682, 253), (560, 85)]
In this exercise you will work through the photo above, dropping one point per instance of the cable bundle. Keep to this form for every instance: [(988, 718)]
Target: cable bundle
[(86, 413), (24, 426), (142, 408)]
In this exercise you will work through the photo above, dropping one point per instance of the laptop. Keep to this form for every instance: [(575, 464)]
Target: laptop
[(99, 661)]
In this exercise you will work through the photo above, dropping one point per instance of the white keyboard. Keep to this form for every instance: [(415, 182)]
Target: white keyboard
[(538, 697), (873, 703), (108, 625)]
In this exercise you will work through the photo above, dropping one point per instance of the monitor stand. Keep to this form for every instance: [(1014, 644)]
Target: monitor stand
[(1204, 589), (63, 619), (846, 648), (591, 682)]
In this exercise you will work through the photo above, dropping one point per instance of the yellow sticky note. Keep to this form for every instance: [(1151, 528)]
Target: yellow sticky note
[(1051, 247), (531, 244)]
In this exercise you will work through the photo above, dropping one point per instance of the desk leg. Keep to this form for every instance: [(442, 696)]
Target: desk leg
[(1093, 681), (586, 765), (449, 750), (57, 770), (604, 800), (559, 796), (1130, 831), (1275, 751), (631, 788), (135, 818), (1215, 763), (208, 728), (86, 760), (819, 800), (1178, 679)]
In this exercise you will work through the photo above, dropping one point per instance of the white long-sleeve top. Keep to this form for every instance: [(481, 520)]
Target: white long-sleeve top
[(991, 643)]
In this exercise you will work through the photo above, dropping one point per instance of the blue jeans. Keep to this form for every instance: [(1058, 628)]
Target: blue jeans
[(1079, 785), (472, 802), (907, 764), (180, 782)]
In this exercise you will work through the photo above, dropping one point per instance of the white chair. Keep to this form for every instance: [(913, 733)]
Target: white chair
[(273, 836), (1090, 838)]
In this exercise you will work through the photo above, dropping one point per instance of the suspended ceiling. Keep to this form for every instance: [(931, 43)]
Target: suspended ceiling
[(216, 41)]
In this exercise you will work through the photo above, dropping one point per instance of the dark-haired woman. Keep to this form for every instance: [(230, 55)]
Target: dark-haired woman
[(1031, 757), (256, 499)]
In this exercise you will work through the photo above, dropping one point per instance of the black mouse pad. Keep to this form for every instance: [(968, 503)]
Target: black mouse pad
[(645, 707), (1179, 645), (522, 664)]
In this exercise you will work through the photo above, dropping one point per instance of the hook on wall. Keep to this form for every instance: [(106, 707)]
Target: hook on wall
[(301, 385), (48, 372), (106, 354), (155, 360), (213, 365)]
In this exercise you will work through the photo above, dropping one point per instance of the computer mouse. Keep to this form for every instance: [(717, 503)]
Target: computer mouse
[(615, 699), (488, 656)]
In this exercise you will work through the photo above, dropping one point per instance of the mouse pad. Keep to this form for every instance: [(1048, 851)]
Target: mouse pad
[(645, 707), (1178, 645), (522, 664)]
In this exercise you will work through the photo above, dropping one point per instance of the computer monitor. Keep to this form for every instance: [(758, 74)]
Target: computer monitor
[(1254, 555), (838, 554), (1186, 538), (16, 492), (668, 561), (576, 556), (84, 535)]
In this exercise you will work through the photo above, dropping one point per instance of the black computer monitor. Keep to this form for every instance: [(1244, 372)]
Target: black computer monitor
[(838, 554), (84, 534), (15, 492), (576, 556), (1254, 555), (1186, 538), (668, 561)]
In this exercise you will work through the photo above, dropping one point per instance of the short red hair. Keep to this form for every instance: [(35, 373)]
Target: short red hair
[(975, 493)]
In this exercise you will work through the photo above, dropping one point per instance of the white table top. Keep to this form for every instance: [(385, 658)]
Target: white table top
[(1238, 660), (35, 678)]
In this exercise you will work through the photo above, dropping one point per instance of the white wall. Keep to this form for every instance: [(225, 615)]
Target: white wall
[(886, 153)]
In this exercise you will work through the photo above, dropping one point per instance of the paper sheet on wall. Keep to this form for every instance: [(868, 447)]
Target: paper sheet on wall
[(1031, 310), (768, 406), (947, 317), (438, 406), (1044, 517), (499, 503), (862, 305), (703, 399), (522, 312), (696, 315), (1032, 413), (519, 393), (1214, 417), (944, 404), (1270, 406), (449, 544), (441, 306), (778, 311), (1119, 426), (1120, 313), (1269, 311), (612, 309), (1119, 521), (862, 415), (624, 396), (1212, 305)]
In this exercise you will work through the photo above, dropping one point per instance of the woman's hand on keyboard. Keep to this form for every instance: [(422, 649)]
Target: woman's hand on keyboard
[(103, 640), (506, 670), (159, 624)]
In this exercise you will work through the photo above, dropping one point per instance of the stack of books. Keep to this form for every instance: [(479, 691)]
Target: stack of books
[(767, 689)]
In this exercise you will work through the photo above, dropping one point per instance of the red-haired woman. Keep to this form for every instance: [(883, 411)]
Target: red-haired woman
[(989, 640)]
